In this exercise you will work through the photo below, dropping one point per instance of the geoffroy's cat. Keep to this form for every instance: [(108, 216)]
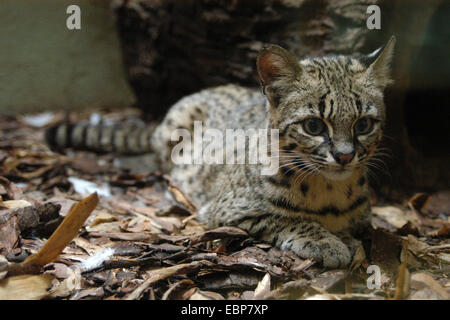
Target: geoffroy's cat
[(329, 112)]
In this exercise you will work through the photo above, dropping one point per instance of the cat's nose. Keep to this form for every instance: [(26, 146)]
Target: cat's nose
[(343, 158)]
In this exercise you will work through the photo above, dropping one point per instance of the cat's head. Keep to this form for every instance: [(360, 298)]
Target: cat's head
[(329, 110)]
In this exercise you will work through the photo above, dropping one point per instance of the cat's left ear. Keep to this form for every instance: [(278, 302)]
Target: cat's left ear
[(277, 68), (379, 63)]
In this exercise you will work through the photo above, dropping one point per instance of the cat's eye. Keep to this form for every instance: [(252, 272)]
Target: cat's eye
[(363, 126), (314, 126)]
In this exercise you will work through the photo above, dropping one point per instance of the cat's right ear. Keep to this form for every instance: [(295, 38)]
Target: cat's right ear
[(378, 63), (275, 67)]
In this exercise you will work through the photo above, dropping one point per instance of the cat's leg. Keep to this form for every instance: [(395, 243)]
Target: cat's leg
[(349, 241), (359, 224), (307, 239)]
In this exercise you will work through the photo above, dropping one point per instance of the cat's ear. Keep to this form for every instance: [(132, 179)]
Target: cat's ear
[(379, 63), (275, 67)]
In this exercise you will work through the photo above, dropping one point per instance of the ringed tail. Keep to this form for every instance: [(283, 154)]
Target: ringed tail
[(101, 138)]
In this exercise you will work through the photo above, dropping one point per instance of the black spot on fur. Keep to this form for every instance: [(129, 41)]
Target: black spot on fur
[(359, 106), (281, 183), (290, 147), (362, 181), (275, 240), (287, 172), (284, 203), (259, 232), (304, 188), (349, 192)]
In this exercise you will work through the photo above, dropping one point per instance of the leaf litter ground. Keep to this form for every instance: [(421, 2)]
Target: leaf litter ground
[(143, 240)]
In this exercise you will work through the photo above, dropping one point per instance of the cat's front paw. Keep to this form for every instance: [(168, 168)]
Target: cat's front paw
[(331, 252)]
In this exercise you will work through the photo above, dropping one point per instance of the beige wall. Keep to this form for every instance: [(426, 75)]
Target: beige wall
[(43, 65)]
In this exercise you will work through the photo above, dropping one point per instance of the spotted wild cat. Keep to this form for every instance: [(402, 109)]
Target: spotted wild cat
[(330, 114)]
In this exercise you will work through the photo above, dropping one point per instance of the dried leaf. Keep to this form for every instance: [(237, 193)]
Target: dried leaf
[(289, 290), (176, 286), (68, 286), (25, 287), (221, 233), (180, 196), (423, 286), (358, 258), (329, 279), (62, 236), (403, 282), (263, 288), (205, 295), (395, 216), (164, 273), (14, 204)]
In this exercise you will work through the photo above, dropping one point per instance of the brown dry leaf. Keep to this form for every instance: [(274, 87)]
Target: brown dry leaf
[(68, 286), (358, 258), (12, 191), (262, 288), (419, 200), (59, 270), (163, 273), (15, 204), (274, 261), (89, 294), (107, 227), (136, 236), (140, 224), (402, 286), (442, 228), (221, 233), (165, 224), (64, 202), (239, 279), (423, 286), (350, 296), (205, 295), (180, 196), (9, 235), (25, 287), (328, 280), (88, 247), (175, 287), (3, 265), (62, 236), (418, 252), (289, 290), (437, 204), (102, 217), (395, 216), (432, 212)]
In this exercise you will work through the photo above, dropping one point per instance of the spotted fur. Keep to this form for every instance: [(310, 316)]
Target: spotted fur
[(318, 198)]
